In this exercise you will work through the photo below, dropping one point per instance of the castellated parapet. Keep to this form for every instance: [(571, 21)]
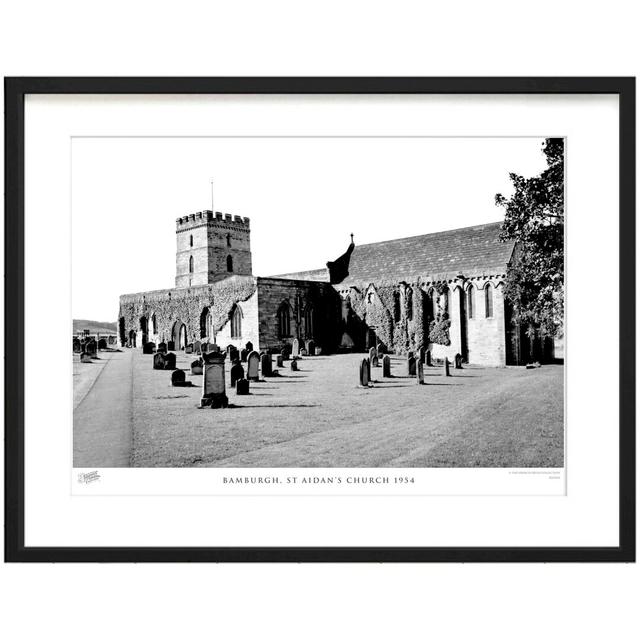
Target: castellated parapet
[(210, 246)]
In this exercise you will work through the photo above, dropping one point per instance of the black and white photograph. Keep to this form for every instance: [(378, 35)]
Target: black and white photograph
[(326, 302)]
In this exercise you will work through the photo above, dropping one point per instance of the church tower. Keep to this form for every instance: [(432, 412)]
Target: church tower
[(210, 246)]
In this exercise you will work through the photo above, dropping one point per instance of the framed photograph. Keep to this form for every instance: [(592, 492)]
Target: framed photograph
[(320, 319)]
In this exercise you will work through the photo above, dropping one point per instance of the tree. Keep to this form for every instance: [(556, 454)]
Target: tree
[(534, 218)]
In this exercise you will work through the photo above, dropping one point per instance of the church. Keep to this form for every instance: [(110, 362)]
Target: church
[(441, 291)]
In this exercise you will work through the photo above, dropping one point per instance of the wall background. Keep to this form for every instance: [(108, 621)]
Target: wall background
[(335, 38)]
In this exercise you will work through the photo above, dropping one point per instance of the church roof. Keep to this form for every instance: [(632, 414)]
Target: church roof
[(472, 251)]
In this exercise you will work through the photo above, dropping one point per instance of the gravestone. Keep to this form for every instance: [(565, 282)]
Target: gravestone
[(446, 366), (279, 361), (381, 350), (242, 387), (411, 365), (373, 357), (77, 346), (420, 372), (303, 352), (427, 358), (249, 347), (234, 354), (171, 345), (158, 360), (170, 361), (188, 348), (196, 367), (178, 379), (148, 348), (85, 357), (295, 349), (458, 361), (204, 347), (285, 353), (243, 355), (237, 373), (294, 365), (197, 347), (91, 347), (162, 347), (213, 348), (386, 366), (213, 387), (265, 365), (364, 372), (318, 351), (253, 361), (310, 346), (102, 343)]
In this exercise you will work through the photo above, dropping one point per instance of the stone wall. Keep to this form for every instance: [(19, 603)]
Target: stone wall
[(185, 305), (297, 294)]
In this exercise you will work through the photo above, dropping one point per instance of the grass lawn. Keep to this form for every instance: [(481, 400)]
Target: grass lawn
[(319, 417)]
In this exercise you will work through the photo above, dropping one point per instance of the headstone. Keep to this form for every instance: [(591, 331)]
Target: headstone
[(204, 347), (318, 351), (253, 361), (213, 348), (243, 355), (310, 346), (237, 373), (162, 347), (77, 346), (294, 365), (170, 361), (446, 366), (285, 354), (303, 351), (196, 367), (178, 378), (90, 347), (266, 364), (364, 372), (458, 361), (188, 348), (411, 364), (242, 387), (249, 346), (234, 354), (148, 348), (373, 357), (381, 350), (171, 345), (197, 347), (427, 357), (420, 372), (158, 360), (386, 366), (295, 350), (213, 387), (85, 357), (102, 343), (279, 361)]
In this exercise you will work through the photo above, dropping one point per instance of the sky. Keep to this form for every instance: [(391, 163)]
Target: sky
[(304, 197)]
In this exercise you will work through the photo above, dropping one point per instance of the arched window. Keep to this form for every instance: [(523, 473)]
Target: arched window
[(191, 241), (396, 306), (206, 323), (470, 300), (284, 321), (308, 321), (408, 299), (154, 324), (190, 264), (236, 322), (447, 300), (228, 239), (488, 301), (229, 264)]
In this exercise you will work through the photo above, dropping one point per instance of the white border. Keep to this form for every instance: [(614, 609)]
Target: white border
[(586, 516)]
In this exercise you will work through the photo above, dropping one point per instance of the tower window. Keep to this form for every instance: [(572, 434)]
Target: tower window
[(190, 264), (191, 241), (228, 239), (229, 264), (488, 302)]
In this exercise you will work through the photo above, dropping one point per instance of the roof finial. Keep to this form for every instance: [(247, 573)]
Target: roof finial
[(352, 238)]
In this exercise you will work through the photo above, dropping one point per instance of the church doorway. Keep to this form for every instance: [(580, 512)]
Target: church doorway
[(132, 338), (179, 335)]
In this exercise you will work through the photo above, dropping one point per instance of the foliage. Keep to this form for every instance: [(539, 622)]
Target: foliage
[(534, 218), (439, 330)]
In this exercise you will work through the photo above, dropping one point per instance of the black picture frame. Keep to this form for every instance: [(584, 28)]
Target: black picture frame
[(15, 91)]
